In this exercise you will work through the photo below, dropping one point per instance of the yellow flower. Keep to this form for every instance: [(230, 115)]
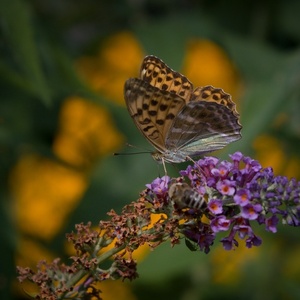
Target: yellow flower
[(45, 193), (86, 131), (228, 265), (111, 290), (292, 264), (118, 59), (121, 56), (270, 152), (207, 64)]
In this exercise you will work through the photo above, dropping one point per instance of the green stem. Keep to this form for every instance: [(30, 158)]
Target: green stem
[(109, 253), (82, 273)]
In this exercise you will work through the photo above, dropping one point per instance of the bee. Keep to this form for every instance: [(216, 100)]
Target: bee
[(183, 196)]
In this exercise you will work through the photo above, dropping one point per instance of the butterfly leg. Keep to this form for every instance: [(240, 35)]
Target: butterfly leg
[(201, 171), (164, 165)]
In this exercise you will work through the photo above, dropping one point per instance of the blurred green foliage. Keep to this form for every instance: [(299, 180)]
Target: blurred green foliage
[(40, 42)]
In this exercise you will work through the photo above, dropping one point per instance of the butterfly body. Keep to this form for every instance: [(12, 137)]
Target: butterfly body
[(179, 121)]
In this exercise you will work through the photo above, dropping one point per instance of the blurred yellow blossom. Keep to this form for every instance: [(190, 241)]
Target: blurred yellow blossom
[(207, 64), (121, 56), (227, 265), (118, 59), (292, 267), (270, 152), (30, 252), (86, 131), (115, 289), (275, 158), (45, 193)]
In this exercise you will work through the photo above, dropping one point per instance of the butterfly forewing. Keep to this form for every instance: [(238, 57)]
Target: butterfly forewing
[(158, 74), (152, 110)]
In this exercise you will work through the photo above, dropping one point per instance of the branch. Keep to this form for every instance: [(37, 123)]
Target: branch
[(231, 195)]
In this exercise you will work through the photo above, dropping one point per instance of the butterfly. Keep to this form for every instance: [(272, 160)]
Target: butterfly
[(179, 121)]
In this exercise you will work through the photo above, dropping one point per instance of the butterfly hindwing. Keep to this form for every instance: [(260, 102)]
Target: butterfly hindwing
[(211, 94), (202, 127)]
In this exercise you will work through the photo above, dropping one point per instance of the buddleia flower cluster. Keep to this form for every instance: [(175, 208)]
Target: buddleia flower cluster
[(214, 196), (209, 197)]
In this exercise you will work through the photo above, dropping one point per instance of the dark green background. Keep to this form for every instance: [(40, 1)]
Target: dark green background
[(40, 40)]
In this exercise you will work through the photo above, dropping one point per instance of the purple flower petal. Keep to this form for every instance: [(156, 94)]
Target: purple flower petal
[(250, 211), (226, 187), (215, 206), (242, 197)]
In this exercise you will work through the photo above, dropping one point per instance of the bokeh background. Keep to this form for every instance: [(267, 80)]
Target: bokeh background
[(63, 65)]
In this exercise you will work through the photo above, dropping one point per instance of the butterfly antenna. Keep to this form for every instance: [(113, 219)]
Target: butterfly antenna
[(133, 153), (139, 148)]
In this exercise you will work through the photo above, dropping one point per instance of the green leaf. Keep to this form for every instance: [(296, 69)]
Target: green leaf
[(18, 30), (192, 246)]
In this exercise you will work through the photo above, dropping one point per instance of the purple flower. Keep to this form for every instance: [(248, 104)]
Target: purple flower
[(202, 235), (223, 169), (250, 211), (251, 164), (215, 206), (229, 242), (209, 161), (159, 186), (226, 187), (242, 197), (292, 220), (271, 223), (220, 223), (234, 194), (236, 157), (253, 241), (243, 230), (206, 165), (189, 173)]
